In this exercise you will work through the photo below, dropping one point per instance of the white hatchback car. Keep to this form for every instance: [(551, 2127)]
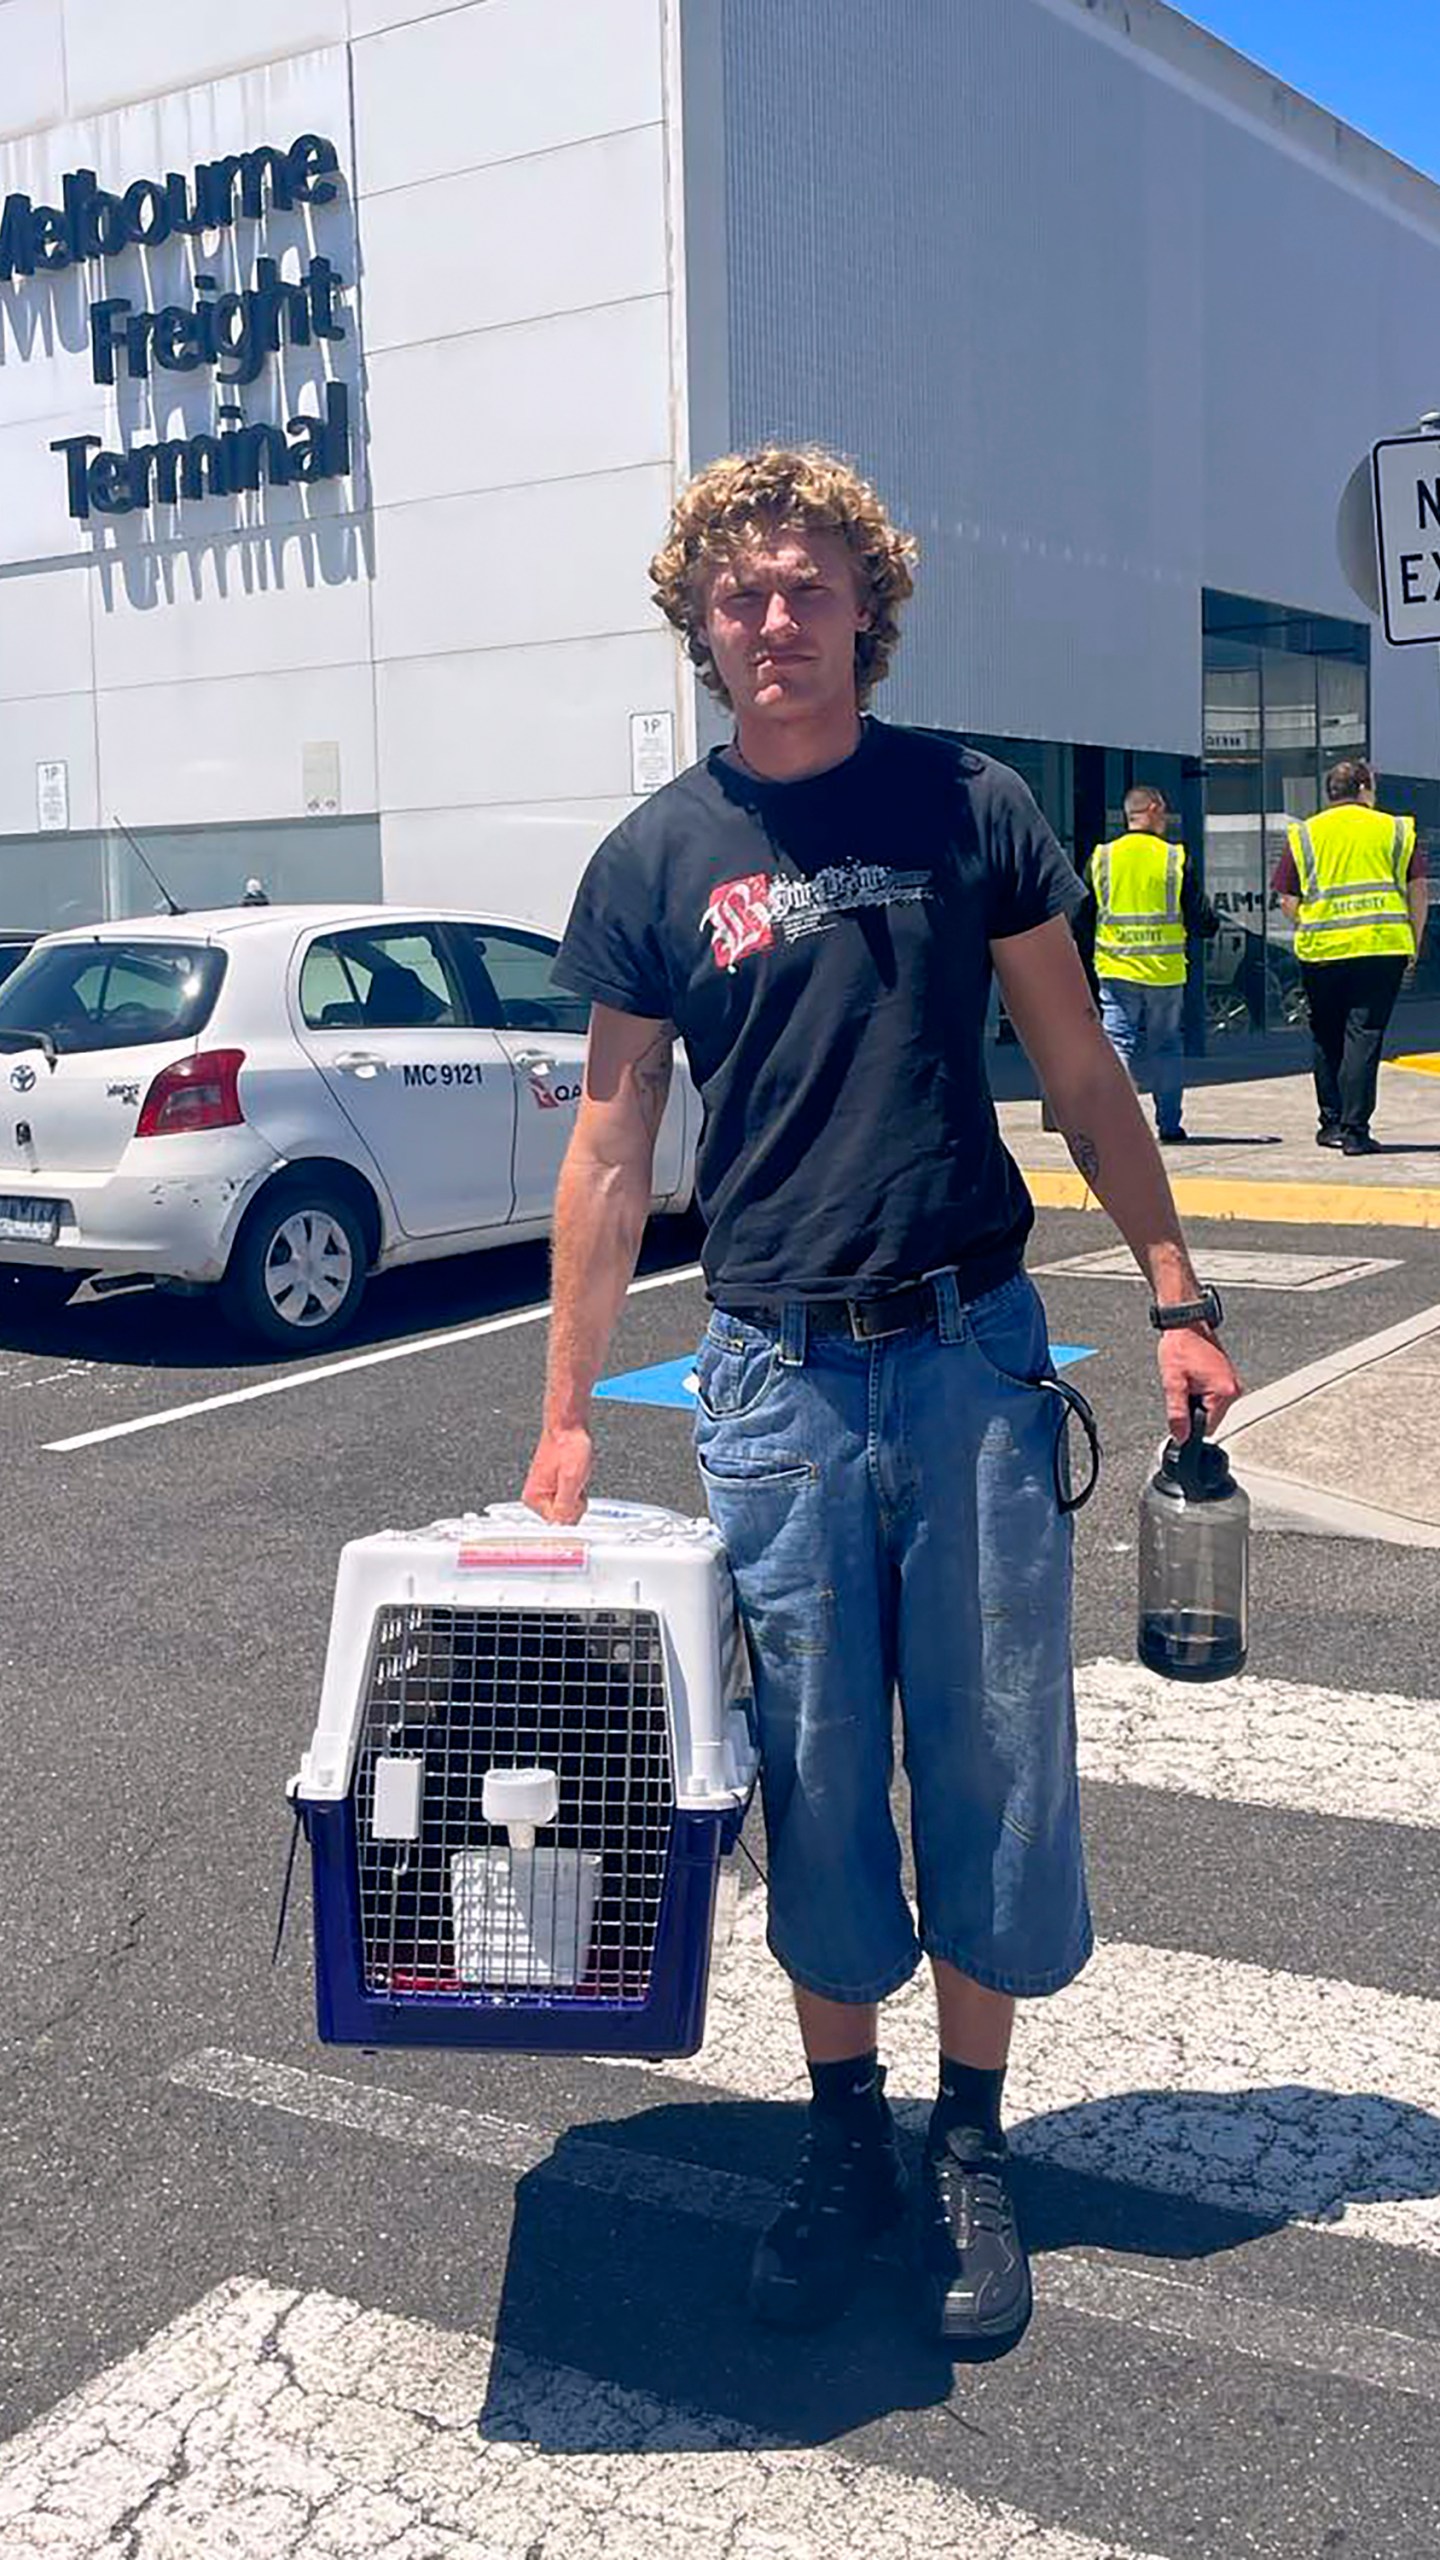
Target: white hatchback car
[(277, 1101)]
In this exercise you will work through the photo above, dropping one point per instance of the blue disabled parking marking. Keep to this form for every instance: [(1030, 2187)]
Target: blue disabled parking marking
[(669, 1382), (672, 1382)]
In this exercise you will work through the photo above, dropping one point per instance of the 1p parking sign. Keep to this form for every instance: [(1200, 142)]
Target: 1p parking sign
[(52, 798), (652, 751)]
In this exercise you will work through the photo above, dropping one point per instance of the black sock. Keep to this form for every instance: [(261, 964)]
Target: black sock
[(968, 2097), (838, 2085)]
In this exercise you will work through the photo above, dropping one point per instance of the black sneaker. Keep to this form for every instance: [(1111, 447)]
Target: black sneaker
[(1358, 1142), (1330, 1135), (972, 2255), (848, 2187), (1173, 1137)]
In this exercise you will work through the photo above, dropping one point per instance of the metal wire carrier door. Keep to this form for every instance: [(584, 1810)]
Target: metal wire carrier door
[(458, 1908)]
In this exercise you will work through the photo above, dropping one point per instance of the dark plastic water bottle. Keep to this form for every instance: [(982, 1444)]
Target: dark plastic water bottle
[(1194, 1561)]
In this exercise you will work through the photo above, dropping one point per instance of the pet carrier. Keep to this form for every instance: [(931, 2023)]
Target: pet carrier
[(534, 1746)]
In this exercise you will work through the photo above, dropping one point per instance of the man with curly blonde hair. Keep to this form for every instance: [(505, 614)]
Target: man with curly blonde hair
[(817, 908)]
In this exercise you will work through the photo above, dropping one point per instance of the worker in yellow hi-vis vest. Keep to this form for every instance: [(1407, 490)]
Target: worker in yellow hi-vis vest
[(1148, 901), (1355, 885)]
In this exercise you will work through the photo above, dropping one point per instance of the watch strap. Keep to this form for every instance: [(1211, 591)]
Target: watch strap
[(1206, 1309)]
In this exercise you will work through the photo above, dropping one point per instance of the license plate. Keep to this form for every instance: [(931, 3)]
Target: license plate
[(28, 1221)]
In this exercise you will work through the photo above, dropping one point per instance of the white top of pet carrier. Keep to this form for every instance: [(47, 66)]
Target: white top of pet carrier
[(621, 1555)]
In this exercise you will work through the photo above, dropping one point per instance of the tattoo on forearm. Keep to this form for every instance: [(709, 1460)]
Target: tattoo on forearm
[(1084, 1153), (653, 1070)]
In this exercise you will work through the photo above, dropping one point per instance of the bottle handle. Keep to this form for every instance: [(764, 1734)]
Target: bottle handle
[(1198, 1417)]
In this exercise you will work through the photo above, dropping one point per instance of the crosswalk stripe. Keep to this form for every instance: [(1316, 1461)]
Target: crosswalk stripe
[(1272, 2095), (464, 2133), (1271, 1742), (1233, 2322), (299, 2423), (1269, 2094)]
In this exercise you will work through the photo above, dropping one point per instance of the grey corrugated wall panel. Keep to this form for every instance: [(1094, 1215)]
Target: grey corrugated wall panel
[(1073, 318)]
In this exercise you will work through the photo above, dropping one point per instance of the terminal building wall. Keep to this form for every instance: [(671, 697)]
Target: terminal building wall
[(1108, 314)]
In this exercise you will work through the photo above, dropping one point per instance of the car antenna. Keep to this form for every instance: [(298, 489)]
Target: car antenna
[(133, 841)]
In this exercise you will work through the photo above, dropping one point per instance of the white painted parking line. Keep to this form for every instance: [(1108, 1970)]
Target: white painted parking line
[(1230, 2321), (294, 2424), (341, 1368), (1282, 1743), (1275, 2095)]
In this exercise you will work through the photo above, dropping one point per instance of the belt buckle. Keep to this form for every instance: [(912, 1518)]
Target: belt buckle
[(860, 1331)]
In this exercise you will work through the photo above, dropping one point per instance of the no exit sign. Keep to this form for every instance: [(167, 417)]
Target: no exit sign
[(1407, 535)]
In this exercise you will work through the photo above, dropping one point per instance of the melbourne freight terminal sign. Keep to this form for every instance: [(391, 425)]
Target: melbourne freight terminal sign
[(229, 334)]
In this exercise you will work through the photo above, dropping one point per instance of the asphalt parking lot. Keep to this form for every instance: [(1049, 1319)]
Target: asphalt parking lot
[(174, 1514)]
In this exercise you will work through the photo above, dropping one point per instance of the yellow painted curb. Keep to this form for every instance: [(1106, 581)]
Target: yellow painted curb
[(1285, 1204), (1424, 1066)]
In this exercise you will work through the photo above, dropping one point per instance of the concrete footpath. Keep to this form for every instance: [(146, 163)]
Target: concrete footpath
[(1349, 1446)]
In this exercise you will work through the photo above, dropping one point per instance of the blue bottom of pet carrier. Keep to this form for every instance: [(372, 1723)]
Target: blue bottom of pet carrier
[(360, 2002)]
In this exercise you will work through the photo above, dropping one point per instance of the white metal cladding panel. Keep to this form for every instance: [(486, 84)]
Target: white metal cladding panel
[(517, 724), (191, 754), (372, 17), (546, 400), (1052, 312), (499, 80), (559, 560), (524, 859), (119, 49), (32, 49), (44, 634), (230, 606), (521, 240)]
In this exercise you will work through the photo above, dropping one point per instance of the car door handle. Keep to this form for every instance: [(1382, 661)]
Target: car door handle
[(361, 1061), (535, 1062)]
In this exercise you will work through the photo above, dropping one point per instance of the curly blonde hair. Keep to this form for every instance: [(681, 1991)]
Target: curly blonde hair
[(749, 496)]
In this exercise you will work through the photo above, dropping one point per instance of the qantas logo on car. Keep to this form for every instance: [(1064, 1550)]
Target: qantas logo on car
[(550, 1096)]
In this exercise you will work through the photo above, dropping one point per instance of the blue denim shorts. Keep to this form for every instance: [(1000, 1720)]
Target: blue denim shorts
[(894, 1518)]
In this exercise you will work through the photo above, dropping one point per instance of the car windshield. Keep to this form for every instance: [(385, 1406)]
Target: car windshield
[(111, 995)]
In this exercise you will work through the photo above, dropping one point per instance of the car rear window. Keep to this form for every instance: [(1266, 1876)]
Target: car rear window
[(113, 995)]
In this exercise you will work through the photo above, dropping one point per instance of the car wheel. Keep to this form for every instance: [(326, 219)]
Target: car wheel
[(298, 1267), (34, 1288)]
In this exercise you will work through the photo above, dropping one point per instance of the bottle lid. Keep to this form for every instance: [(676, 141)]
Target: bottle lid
[(1197, 1469)]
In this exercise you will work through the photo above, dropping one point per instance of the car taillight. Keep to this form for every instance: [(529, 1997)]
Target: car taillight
[(202, 1092)]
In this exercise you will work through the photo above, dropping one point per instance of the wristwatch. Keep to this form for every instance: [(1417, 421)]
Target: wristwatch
[(1206, 1309)]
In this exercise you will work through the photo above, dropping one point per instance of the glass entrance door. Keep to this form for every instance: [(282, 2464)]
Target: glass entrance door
[(1285, 693)]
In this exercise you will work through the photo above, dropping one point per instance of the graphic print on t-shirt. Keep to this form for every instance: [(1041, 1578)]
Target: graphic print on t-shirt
[(749, 915)]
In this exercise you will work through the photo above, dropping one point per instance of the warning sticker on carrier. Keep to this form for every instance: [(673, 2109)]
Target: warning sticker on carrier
[(543, 1555)]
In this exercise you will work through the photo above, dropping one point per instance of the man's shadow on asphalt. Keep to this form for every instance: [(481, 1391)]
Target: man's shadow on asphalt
[(616, 2270)]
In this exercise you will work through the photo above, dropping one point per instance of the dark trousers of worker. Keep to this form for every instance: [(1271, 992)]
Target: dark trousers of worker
[(1350, 1003)]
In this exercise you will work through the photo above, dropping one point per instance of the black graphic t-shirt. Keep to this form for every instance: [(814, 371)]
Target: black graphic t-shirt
[(823, 949)]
